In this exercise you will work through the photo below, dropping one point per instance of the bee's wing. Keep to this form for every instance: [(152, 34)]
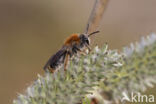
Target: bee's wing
[(54, 60)]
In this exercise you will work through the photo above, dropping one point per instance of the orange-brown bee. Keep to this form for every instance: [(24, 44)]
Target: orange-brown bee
[(74, 44)]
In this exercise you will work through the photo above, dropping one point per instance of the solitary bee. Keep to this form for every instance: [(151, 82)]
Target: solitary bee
[(76, 43)]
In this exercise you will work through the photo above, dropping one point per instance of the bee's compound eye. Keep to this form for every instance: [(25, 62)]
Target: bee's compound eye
[(87, 41)]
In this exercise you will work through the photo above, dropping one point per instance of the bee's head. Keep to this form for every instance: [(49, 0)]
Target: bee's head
[(84, 39)]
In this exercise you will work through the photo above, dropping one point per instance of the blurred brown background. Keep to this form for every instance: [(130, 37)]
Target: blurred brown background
[(32, 30)]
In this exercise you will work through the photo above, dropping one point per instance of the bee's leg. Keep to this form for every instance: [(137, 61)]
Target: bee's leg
[(51, 70), (89, 49), (76, 49), (82, 53), (66, 61)]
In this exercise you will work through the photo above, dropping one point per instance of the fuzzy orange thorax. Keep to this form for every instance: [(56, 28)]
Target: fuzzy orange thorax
[(72, 38)]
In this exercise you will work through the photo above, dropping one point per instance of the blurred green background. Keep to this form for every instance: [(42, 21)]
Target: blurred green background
[(32, 30)]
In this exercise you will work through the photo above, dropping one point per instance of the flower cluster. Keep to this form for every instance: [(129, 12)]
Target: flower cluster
[(103, 73)]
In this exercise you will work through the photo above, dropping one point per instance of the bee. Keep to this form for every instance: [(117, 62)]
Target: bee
[(76, 43)]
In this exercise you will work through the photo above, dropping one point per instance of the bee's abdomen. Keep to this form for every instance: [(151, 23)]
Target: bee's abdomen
[(56, 60)]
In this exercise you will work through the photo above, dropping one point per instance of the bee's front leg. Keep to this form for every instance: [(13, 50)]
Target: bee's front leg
[(89, 49), (85, 51)]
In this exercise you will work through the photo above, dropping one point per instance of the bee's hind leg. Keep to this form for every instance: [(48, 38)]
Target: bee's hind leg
[(51, 70), (66, 61)]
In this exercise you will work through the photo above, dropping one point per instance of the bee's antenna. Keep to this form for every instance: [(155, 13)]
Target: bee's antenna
[(93, 33), (87, 28)]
